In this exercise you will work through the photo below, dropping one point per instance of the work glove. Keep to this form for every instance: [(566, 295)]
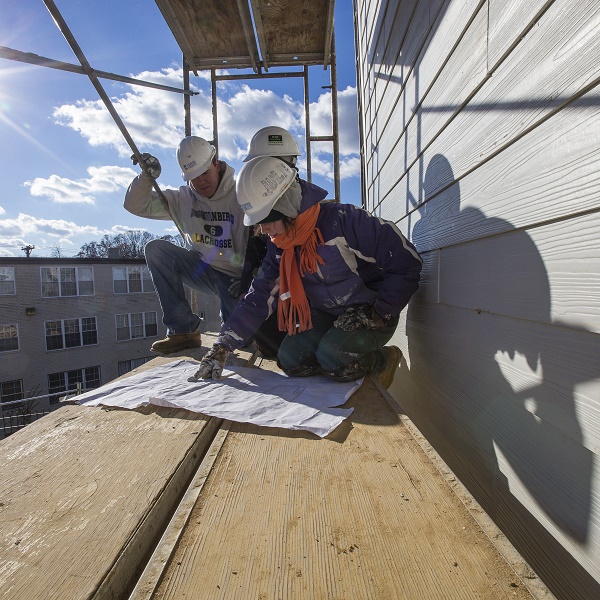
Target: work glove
[(211, 366), (360, 317), (235, 289), (150, 164)]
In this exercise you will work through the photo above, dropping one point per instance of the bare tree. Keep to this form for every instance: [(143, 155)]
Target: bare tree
[(90, 250), (129, 244), (28, 249), (56, 251)]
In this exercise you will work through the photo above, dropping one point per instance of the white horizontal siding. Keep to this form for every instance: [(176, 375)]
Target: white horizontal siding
[(509, 20), (530, 86), (481, 142), (548, 175)]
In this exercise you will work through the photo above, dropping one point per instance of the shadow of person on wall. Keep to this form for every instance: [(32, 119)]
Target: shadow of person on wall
[(493, 380)]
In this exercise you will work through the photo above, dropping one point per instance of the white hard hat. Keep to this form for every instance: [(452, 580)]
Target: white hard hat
[(194, 156), (260, 183), (272, 141)]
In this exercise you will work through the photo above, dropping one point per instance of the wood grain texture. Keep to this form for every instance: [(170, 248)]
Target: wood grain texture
[(211, 33), (294, 26), (432, 95), (509, 20), (378, 70), (536, 275), (75, 488), (549, 175), (208, 29), (362, 514)]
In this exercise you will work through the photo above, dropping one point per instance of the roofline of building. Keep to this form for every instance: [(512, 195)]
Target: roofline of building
[(42, 260)]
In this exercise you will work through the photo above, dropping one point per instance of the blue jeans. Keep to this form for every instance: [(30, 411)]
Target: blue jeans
[(335, 351), (172, 267)]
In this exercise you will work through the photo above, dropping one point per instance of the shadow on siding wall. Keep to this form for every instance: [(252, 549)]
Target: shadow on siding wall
[(501, 439)]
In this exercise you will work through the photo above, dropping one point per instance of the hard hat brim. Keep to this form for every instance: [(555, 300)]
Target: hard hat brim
[(255, 218), (196, 172)]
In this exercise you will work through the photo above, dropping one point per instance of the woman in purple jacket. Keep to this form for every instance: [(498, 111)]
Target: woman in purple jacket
[(337, 277)]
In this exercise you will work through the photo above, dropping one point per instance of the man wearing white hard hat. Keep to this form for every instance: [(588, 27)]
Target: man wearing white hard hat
[(207, 213), (279, 143)]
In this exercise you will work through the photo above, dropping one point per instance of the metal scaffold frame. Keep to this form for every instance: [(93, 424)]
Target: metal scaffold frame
[(310, 139), (259, 67)]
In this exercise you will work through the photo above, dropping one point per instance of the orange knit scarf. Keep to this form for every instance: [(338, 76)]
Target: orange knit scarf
[(293, 307)]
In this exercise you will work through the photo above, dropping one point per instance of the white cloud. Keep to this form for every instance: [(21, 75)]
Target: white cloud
[(151, 117), (26, 226), (350, 167), (2, 211), (321, 166), (320, 122), (247, 111), (105, 179), (154, 118), (348, 122)]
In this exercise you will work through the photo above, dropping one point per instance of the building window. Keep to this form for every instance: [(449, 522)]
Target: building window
[(11, 391), (125, 366), (9, 338), (14, 413), (67, 281), (71, 333), (136, 325), (132, 280), (72, 381), (7, 281)]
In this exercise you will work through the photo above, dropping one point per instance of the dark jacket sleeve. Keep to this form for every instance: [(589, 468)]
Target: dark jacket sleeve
[(256, 251), (256, 306)]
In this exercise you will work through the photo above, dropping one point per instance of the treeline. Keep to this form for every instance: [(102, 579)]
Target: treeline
[(129, 244)]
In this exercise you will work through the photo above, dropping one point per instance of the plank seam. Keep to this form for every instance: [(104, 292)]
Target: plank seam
[(459, 109), (123, 573), (434, 79), (538, 224), (549, 115), (153, 573)]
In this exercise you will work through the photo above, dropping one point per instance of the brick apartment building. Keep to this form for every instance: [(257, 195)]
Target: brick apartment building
[(69, 323)]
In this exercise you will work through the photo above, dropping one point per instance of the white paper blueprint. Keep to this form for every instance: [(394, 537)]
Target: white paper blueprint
[(243, 394)]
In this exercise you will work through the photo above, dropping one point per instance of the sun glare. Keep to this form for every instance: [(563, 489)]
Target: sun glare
[(10, 104)]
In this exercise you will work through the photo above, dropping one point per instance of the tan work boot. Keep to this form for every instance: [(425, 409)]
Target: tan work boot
[(176, 342), (394, 356)]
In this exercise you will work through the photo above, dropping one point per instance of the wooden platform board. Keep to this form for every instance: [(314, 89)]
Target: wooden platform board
[(83, 494), (86, 493), (361, 514)]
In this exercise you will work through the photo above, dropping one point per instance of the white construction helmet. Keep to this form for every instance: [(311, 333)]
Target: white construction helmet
[(272, 141), (260, 183), (194, 156)]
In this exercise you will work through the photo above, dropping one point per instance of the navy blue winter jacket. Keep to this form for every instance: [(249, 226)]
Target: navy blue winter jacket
[(367, 261)]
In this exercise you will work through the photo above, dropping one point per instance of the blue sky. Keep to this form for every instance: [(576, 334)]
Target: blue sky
[(65, 165)]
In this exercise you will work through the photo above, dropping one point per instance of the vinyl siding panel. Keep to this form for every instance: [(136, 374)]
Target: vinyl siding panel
[(481, 141)]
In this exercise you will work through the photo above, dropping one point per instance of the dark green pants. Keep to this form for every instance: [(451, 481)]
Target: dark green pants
[(333, 351)]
